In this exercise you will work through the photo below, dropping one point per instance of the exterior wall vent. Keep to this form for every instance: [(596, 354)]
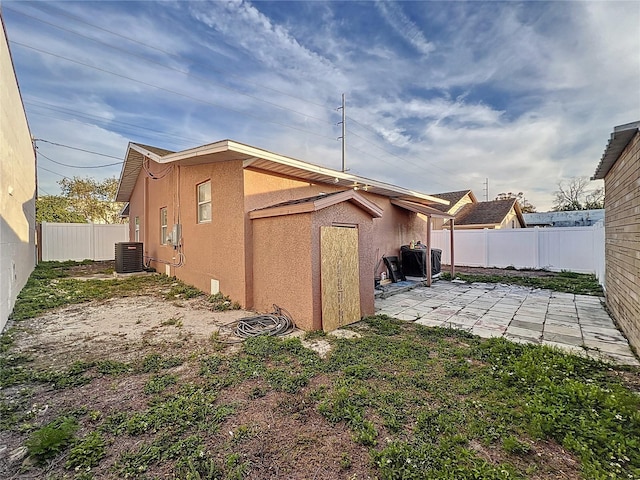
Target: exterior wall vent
[(129, 257)]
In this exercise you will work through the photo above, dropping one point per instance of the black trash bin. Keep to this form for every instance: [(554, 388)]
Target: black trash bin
[(436, 261)]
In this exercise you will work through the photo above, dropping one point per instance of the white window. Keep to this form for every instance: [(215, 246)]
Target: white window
[(204, 202), (163, 225), (136, 231)]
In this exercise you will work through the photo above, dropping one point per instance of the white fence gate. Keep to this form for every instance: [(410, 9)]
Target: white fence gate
[(80, 241), (578, 249)]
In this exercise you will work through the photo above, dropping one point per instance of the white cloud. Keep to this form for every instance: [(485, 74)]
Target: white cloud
[(404, 26)]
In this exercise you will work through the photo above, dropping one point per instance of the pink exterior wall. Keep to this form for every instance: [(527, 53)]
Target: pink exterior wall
[(397, 227), (212, 250), (283, 266), (252, 259), (286, 262)]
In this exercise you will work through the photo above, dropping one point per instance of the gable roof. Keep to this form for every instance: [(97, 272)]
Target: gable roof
[(488, 213), (620, 138), (452, 198), (258, 159), (317, 202), (420, 208)]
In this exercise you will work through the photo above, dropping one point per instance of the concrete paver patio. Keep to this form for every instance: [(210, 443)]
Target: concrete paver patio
[(575, 323)]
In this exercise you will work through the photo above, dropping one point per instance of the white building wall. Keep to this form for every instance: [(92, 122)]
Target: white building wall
[(17, 187)]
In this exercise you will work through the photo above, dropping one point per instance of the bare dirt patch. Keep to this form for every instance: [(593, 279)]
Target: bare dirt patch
[(124, 327)]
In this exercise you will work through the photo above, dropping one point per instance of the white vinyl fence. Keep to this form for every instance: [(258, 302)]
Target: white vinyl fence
[(578, 249), (80, 241)]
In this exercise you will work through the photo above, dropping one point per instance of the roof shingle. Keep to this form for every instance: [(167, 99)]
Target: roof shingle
[(483, 213)]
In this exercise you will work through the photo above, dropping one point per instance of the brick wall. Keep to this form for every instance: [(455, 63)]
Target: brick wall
[(622, 248)]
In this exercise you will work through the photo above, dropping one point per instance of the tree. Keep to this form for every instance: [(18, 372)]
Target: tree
[(525, 205), (93, 199), (56, 209), (574, 195)]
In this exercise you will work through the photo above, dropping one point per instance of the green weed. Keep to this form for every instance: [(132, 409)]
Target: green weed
[(51, 439), (155, 362), (87, 453), (158, 383)]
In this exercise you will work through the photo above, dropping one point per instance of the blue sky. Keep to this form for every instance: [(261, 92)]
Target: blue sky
[(440, 95)]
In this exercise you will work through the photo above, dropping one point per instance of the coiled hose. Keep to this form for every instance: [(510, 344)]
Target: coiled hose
[(273, 324)]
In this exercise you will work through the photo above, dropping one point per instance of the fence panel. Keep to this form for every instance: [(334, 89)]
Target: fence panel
[(579, 249), (80, 241)]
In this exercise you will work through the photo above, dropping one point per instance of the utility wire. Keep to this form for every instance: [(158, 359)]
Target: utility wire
[(51, 171), (106, 120), (76, 148), (165, 52), (78, 166), (183, 72), (190, 97), (178, 57)]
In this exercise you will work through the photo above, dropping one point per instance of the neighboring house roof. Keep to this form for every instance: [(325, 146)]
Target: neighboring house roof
[(488, 213), (572, 218), (452, 198), (620, 138), (259, 159), (419, 208), (317, 202)]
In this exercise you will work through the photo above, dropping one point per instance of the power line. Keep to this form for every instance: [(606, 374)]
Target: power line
[(169, 90), (76, 148), (105, 120), (51, 171), (183, 72), (79, 166)]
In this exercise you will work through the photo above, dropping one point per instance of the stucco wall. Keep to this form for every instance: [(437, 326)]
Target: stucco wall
[(622, 247), (397, 227), (286, 262), (212, 250), (17, 188), (283, 267)]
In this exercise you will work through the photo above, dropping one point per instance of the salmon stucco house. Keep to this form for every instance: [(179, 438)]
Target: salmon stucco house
[(267, 229)]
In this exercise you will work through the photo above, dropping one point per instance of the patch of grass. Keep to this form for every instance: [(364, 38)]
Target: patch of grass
[(568, 282), (180, 290), (49, 287), (512, 445), (191, 407), (221, 303), (155, 362), (112, 367), (51, 439), (158, 383), (87, 453), (442, 460)]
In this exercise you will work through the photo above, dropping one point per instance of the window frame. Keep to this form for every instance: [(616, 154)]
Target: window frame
[(200, 204), (164, 227)]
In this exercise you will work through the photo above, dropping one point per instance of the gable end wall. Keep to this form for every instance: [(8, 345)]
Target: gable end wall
[(622, 247)]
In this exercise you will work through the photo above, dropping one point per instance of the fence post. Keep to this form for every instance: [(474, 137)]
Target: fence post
[(486, 247), (536, 248)]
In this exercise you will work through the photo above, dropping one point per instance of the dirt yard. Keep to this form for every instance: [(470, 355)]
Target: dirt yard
[(122, 328)]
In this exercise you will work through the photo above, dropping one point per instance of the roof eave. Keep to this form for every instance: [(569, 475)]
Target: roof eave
[(620, 138)]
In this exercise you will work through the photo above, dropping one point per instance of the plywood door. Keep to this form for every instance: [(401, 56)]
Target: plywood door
[(340, 277)]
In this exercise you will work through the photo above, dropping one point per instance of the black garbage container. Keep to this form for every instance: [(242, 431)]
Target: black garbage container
[(436, 261), (414, 261)]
